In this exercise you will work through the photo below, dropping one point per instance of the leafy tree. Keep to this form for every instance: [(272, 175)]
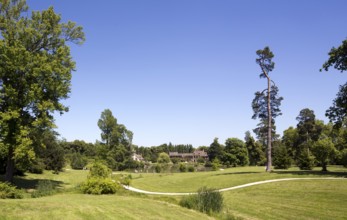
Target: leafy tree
[(264, 60), (256, 154), (78, 161), (281, 159), (308, 128), (344, 157), (35, 75), (337, 113), (290, 140), (215, 150), (108, 126), (337, 58), (118, 141), (237, 148), (323, 150), (164, 158)]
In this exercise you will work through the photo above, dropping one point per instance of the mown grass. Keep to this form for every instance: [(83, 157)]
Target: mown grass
[(79, 206), (304, 199), (191, 182)]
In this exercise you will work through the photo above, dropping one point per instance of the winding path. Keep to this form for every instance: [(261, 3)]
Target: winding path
[(230, 188)]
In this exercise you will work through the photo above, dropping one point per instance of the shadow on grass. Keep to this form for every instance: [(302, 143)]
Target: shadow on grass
[(234, 173), (23, 183), (312, 172)]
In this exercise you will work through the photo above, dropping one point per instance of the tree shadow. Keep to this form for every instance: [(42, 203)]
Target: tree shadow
[(312, 172), (27, 184), (234, 173)]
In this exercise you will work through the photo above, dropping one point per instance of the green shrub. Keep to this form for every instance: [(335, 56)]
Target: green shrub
[(44, 188), (343, 159), (281, 158), (305, 161), (98, 186), (99, 170), (189, 202), (183, 167), (7, 191), (125, 179), (191, 169), (157, 168), (206, 200), (37, 167), (78, 162)]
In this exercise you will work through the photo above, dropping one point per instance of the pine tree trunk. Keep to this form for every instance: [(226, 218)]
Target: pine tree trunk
[(269, 139)]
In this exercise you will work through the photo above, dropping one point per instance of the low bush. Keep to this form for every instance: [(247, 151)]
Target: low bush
[(44, 188), (182, 167), (99, 170), (206, 200), (78, 162), (7, 191), (191, 169), (98, 186)]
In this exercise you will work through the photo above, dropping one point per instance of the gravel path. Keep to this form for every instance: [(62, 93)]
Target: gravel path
[(230, 188)]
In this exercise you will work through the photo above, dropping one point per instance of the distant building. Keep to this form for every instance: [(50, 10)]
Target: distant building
[(137, 157), (189, 156)]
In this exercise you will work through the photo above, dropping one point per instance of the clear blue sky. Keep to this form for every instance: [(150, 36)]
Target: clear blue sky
[(184, 71)]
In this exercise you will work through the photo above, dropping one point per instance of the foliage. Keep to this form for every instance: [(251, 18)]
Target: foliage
[(44, 188), (163, 158), (323, 150), (308, 128), (157, 168), (35, 75), (182, 167), (118, 141), (191, 168), (99, 170), (215, 164), (7, 191), (99, 181), (262, 104), (256, 154), (281, 158), (337, 113), (78, 161), (215, 150), (305, 160), (206, 200), (237, 148), (343, 159), (98, 186), (337, 58)]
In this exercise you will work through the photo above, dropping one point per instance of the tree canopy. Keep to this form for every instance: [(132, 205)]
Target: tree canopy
[(35, 75), (337, 58)]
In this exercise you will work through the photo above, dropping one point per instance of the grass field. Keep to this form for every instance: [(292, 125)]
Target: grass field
[(303, 199), (79, 206), (191, 182)]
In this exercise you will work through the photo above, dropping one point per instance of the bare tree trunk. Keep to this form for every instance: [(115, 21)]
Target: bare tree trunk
[(9, 167), (269, 133)]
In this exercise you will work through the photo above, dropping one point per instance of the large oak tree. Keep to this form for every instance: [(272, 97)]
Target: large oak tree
[(35, 75)]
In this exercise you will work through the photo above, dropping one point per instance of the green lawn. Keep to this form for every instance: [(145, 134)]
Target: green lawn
[(303, 199), (79, 206), (191, 182)]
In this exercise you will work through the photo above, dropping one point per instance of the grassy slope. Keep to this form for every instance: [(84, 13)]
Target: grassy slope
[(191, 182), (304, 199), (78, 206), (309, 199)]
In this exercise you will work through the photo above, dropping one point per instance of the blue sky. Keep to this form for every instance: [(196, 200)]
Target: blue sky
[(184, 71)]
